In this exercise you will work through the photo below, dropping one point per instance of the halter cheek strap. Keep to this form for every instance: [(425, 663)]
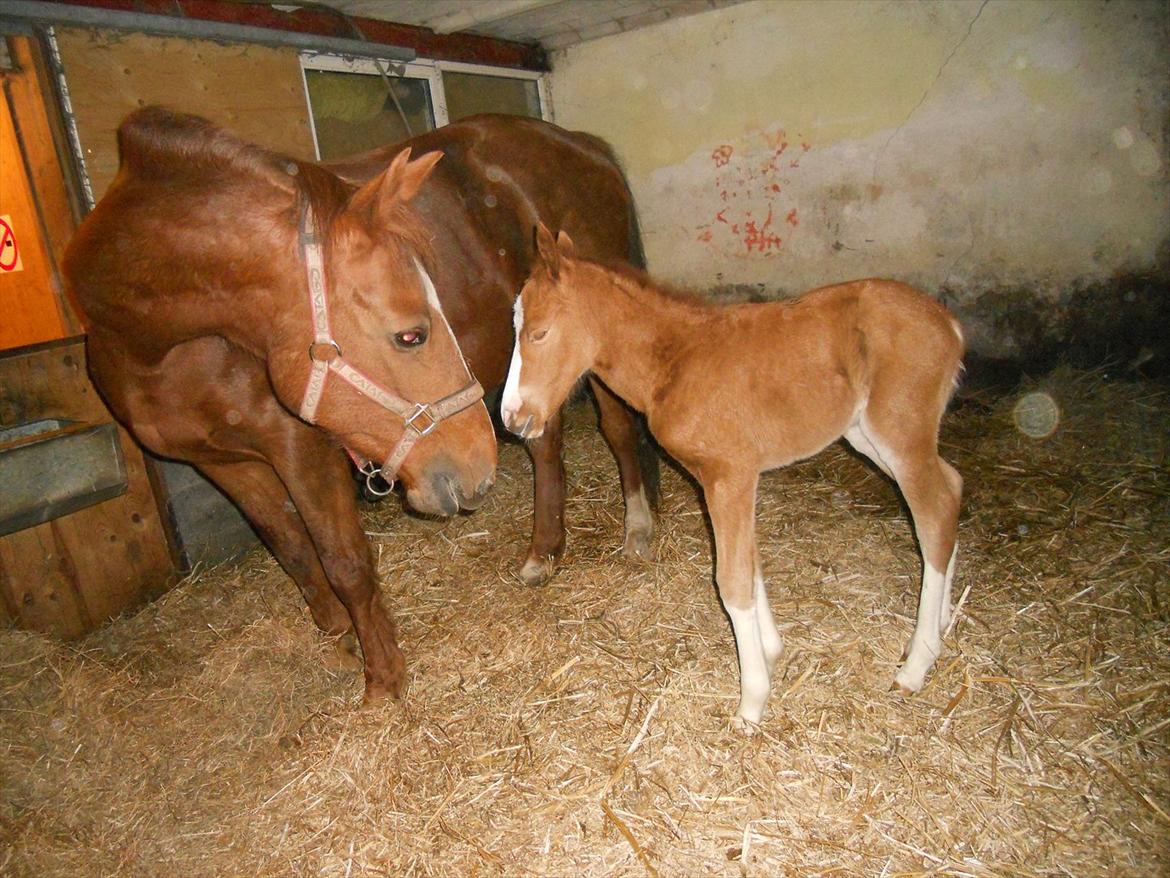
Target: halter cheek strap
[(418, 418)]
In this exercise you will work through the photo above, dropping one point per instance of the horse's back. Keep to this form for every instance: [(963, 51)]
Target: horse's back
[(509, 172)]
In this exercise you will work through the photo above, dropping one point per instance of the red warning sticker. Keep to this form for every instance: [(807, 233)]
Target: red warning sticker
[(9, 251)]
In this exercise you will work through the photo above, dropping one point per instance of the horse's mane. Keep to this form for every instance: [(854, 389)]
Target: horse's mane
[(161, 144)]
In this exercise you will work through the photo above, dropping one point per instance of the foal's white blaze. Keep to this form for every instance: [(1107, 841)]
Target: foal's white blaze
[(510, 402)]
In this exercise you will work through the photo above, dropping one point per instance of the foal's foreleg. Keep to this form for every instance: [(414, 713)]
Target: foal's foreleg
[(621, 431), (548, 512), (731, 503)]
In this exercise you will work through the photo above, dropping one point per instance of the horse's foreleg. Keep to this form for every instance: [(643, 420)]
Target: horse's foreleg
[(548, 513), (255, 488), (731, 504), (637, 465), (317, 477)]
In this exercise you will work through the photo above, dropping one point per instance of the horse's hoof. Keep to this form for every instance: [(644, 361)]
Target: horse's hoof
[(537, 571), (345, 655), (637, 545), (377, 691)]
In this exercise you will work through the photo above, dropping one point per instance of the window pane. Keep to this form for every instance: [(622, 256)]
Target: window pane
[(471, 93), (354, 112)]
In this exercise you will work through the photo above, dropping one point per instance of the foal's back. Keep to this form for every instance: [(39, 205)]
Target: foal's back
[(782, 380)]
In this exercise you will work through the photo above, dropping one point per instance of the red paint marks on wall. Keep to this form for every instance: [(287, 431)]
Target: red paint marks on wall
[(722, 155), (749, 181), (758, 238)]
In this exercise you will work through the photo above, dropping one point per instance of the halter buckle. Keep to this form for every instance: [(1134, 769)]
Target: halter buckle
[(422, 410)]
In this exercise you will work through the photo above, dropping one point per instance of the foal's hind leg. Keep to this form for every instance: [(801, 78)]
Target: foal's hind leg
[(548, 512), (909, 452), (621, 431), (261, 496)]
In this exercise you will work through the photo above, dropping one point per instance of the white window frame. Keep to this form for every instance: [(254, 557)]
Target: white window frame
[(420, 68)]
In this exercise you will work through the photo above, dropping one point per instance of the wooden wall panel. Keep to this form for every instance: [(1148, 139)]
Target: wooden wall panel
[(68, 575), (255, 91)]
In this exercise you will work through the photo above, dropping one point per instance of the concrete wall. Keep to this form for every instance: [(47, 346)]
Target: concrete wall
[(1010, 156)]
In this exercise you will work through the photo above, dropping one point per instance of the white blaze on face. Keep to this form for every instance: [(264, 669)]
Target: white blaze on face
[(433, 301), (510, 402)]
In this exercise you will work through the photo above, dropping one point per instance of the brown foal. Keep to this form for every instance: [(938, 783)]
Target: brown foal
[(732, 391)]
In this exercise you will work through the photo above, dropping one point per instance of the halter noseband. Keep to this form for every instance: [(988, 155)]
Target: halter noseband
[(418, 418)]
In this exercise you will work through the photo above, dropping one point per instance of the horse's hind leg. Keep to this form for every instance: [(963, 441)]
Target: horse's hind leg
[(633, 453), (548, 512), (261, 496)]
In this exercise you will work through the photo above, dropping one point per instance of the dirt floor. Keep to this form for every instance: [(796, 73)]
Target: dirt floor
[(582, 729)]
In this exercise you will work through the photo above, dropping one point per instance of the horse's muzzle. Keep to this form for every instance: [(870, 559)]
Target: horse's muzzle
[(443, 493)]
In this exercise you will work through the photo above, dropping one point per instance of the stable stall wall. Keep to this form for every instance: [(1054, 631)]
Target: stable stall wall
[(1008, 156)]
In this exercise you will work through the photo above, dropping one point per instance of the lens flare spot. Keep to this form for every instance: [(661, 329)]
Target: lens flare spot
[(1036, 415)]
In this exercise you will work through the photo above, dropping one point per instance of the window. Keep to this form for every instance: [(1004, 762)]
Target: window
[(355, 107)]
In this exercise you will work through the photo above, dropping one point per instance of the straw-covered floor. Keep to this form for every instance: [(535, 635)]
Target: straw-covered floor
[(581, 729)]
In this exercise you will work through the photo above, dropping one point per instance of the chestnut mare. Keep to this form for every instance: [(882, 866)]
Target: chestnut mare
[(732, 391), (227, 289)]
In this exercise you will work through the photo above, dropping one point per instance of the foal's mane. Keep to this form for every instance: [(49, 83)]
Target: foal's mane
[(623, 276)]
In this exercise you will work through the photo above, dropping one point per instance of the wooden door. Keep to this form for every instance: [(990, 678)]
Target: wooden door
[(67, 562), (29, 312)]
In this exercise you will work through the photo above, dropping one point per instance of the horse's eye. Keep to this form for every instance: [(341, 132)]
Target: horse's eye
[(538, 335), (411, 338)]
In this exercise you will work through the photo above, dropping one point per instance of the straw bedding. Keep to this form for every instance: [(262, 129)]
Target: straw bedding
[(581, 729)]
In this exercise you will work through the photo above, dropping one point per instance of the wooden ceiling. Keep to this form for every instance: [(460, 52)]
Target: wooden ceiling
[(553, 24)]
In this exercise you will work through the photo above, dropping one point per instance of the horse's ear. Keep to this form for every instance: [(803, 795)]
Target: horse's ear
[(404, 178), (565, 243), (546, 247), (401, 181)]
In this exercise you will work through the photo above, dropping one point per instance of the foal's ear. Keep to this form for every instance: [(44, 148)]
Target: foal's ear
[(546, 248), (565, 243)]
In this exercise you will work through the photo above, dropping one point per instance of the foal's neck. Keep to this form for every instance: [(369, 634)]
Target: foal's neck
[(639, 330)]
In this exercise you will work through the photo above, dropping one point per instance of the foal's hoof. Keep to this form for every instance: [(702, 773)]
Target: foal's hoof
[(537, 570), (744, 726), (345, 655)]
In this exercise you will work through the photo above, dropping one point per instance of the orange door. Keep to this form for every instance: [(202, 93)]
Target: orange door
[(28, 305)]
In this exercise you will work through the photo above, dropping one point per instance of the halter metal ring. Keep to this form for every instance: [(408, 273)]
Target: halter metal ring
[(335, 355), (372, 471), (422, 410)]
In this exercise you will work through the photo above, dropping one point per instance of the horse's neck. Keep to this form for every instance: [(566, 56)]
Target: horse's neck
[(639, 330)]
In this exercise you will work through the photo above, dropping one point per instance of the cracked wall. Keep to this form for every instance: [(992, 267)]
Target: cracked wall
[(1010, 156)]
